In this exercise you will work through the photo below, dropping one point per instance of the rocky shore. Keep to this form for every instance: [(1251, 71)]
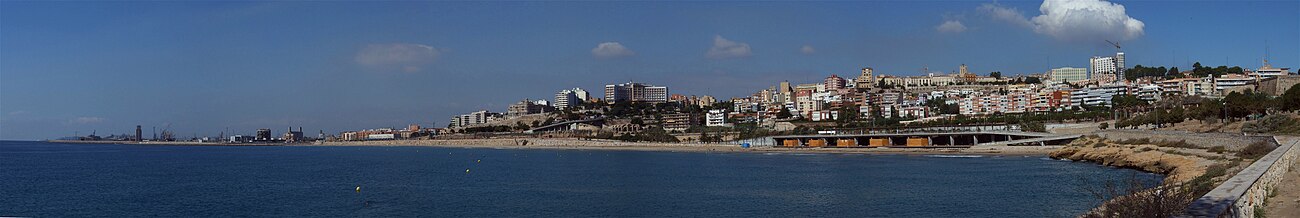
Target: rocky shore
[(1178, 163)]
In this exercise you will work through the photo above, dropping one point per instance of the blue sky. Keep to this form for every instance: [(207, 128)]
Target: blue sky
[(203, 67)]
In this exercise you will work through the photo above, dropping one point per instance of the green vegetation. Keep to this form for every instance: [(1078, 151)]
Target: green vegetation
[(647, 135), (784, 113), (1218, 149), (1169, 200), (1033, 127), (1159, 143), (1255, 150), (501, 128), (1140, 71), (1290, 101), (1200, 71), (1274, 123)]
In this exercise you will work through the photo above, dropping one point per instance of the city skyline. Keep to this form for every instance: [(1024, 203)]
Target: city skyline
[(204, 67)]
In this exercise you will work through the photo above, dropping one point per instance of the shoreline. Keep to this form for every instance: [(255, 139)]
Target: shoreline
[(612, 145), (609, 145)]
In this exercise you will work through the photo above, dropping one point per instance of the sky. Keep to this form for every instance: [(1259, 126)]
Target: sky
[(201, 68)]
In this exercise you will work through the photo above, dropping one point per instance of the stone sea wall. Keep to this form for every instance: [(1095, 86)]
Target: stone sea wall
[(1241, 194)]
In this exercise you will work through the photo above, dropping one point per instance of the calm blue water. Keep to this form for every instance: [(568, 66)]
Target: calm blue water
[(59, 180)]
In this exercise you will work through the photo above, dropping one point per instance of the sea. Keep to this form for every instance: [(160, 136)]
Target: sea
[(42, 179)]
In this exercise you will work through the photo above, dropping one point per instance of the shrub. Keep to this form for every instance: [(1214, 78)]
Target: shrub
[(1255, 150), (1268, 124), (1132, 200), (1033, 127), (1218, 149), (1103, 125), (1176, 144)]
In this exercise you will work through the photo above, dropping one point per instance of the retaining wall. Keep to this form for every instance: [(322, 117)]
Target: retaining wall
[(1241, 194)]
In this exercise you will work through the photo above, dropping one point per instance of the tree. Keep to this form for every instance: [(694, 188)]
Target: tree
[(1208, 109), (1033, 127), (785, 113), (847, 115), (1173, 71), (1033, 80), (996, 74), (1290, 101)]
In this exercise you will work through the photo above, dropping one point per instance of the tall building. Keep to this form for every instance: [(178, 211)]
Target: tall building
[(1107, 69), (263, 134), (784, 87), (833, 82), (635, 92), (716, 117), (571, 97), (866, 80), (1069, 74), (138, 137)]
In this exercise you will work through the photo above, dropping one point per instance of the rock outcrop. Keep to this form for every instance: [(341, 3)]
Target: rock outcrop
[(1177, 168)]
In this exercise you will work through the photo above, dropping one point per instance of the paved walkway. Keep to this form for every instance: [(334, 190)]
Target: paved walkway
[(1287, 201)]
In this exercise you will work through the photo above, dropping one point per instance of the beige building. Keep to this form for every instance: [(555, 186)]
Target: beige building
[(635, 92), (866, 80)]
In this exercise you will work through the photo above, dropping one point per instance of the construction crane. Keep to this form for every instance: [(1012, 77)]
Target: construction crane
[(1117, 47)]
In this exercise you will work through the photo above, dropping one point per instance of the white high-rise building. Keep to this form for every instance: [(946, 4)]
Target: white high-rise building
[(1107, 69), (569, 97), (716, 118)]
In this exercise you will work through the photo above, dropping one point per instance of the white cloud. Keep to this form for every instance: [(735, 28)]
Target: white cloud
[(951, 26), (1010, 15), (723, 49), (807, 49), (611, 50), (1079, 20), (404, 56), (86, 120)]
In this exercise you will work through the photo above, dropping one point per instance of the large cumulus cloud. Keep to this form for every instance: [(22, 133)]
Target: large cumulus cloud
[(1074, 20)]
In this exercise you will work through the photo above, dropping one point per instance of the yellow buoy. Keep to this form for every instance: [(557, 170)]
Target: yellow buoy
[(466, 170), (478, 161), (358, 188)]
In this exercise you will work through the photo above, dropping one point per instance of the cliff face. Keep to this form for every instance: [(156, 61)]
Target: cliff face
[(1177, 168)]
